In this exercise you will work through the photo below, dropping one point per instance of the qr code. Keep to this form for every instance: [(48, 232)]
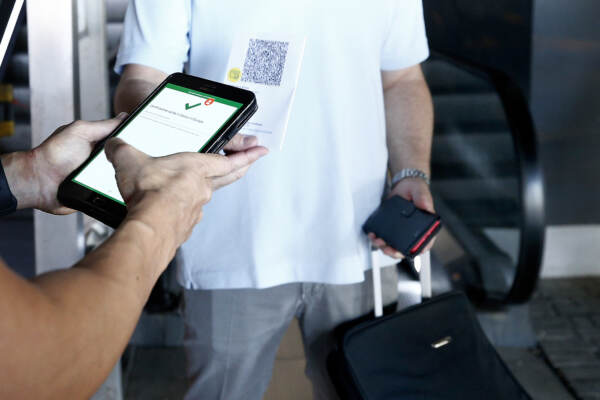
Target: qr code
[(265, 61)]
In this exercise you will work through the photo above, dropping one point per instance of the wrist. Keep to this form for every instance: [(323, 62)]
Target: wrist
[(152, 244), (152, 214), (410, 173), (21, 178), (132, 258)]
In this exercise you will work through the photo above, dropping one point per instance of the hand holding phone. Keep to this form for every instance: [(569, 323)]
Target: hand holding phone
[(167, 193), (403, 226), (183, 114), (42, 169)]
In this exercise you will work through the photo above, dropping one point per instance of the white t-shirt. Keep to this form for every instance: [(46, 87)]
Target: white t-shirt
[(297, 214)]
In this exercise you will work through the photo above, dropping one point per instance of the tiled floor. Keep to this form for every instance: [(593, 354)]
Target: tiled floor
[(566, 318), (566, 366)]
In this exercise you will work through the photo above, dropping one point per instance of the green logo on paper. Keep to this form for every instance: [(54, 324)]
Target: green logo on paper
[(187, 105)]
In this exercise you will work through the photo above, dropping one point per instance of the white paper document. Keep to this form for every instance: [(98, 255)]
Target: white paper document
[(268, 65)]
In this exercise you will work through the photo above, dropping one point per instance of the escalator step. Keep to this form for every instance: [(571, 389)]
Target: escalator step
[(477, 189), (461, 170), (455, 108), (473, 148), (487, 213)]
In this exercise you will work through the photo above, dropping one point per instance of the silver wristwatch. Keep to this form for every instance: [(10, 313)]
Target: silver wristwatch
[(410, 173)]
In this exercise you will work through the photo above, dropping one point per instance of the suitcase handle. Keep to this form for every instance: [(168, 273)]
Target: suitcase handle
[(422, 265)]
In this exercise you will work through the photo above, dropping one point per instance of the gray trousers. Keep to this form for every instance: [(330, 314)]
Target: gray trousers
[(232, 336)]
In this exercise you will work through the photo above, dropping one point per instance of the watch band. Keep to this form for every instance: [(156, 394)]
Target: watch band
[(410, 173), (8, 202)]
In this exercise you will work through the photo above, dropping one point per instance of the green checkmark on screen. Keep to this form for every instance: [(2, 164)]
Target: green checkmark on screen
[(187, 105)]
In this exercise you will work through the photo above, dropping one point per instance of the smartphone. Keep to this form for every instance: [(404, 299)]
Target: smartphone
[(183, 114), (403, 226)]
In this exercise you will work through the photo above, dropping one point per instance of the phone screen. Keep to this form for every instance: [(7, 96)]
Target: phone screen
[(175, 120)]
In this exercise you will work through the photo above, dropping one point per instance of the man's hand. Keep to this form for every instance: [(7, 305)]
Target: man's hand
[(409, 130), (167, 193), (240, 143), (34, 176), (417, 191)]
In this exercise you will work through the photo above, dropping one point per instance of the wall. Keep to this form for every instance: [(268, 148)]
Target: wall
[(565, 101), (495, 33)]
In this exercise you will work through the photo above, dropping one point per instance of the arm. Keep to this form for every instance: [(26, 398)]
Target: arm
[(136, 83), (61, 334), (409, 127), (409, 119)]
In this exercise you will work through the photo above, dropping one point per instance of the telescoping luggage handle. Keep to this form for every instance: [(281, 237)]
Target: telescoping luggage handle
[(422, 264)]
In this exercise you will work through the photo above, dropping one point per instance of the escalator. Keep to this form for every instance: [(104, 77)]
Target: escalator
[(486, 181)]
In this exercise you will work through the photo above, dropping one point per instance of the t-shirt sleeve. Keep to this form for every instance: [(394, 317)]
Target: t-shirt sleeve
[(406, 42), (156, 34)]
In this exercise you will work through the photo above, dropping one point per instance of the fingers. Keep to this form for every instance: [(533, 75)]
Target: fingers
[(219, 166), (241, 142), (122, 155), (98, 130), (424, 201), (403, 189), (62, 210), (220, 181), (247, 157), (377, 242), (381, 245), (240, 164), (415, 190), (390, 251)]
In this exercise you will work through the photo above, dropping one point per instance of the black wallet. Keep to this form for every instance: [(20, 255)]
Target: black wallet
[(403, 226)]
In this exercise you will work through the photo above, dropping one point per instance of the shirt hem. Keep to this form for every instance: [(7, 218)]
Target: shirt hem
[(229, 280)]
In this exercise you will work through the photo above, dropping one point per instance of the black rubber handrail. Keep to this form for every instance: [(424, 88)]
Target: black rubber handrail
[(531, 185)]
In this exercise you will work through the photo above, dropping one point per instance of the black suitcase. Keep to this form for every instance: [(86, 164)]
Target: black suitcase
[(435, 350)]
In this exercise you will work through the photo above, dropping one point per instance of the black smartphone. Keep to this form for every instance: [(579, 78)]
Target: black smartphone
[(403, 226), (184, 113)]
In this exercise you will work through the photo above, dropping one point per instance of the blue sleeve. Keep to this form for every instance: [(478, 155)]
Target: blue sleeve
[(156, 34)]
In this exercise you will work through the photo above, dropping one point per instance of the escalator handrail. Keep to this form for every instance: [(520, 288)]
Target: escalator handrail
[(531, 186)]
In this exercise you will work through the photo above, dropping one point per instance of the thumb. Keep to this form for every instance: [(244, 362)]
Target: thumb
[(122, 155), (425, 202), (241, 142), (98, 130)]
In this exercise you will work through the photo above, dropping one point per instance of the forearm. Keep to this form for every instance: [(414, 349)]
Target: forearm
[(409, 123), (131, 93), (65, 331), (136, 84)]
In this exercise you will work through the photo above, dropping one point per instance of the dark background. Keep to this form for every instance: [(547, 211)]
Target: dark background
[(551, 48)]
